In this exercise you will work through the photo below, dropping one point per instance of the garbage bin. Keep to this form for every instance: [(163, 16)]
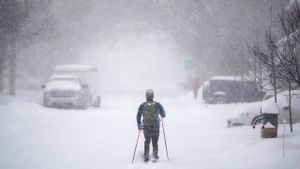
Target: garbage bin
[(270, 119), (270, 126)]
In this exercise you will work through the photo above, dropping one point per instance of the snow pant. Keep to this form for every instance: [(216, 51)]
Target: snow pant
[(151, 133)]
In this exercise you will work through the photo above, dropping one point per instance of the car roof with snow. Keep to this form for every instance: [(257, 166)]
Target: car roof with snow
[(229, 78), (76, 68), (63, 77)]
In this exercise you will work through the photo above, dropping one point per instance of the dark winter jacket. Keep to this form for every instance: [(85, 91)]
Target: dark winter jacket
[(159, 109)]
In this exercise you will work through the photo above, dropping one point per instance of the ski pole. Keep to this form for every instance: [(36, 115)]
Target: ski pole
[(162, 122), (137, 141)]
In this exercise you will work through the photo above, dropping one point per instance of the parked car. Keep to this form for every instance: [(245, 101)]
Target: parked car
[(230, 89), (71, 86), (251, 112)]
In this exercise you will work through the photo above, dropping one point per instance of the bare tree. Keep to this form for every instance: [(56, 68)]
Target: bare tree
[(13, 14), (281, 55), (21, 22)]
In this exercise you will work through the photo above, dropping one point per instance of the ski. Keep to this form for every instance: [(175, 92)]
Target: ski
[(155, 160)]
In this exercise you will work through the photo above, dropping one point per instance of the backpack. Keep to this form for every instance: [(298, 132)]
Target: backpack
[(150, 114)]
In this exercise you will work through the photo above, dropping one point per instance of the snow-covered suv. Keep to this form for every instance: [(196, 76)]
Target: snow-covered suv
[(64, 91), (72, 86)]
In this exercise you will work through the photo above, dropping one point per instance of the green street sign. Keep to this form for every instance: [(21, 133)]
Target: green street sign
[(188, 64)]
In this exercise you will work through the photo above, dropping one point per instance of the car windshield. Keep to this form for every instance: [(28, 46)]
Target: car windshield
[(64, 83), (68, 79)]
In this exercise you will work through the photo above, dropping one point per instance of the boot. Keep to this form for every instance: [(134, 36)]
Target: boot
[(146, 157)]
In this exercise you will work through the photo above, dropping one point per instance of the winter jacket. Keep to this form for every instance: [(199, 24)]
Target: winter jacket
[(159, 109)]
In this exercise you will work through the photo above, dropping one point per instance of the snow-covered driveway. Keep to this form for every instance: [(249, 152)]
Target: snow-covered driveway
[(33, 137)]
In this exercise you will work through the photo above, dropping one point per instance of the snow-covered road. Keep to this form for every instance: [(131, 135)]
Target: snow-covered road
[(34, 137)]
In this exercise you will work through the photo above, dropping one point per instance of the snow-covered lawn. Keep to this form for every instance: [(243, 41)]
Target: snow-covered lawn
[(34, 137)]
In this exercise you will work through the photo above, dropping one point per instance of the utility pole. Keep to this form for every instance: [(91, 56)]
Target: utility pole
[(12, 69), (290, 105)]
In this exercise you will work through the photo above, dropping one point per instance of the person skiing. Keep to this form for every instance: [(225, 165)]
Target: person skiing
[(150, 111)]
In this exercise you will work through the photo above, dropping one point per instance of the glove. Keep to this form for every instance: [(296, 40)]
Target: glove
[(140, 127)]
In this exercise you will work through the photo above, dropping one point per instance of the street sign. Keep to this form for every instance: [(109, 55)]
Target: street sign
[(188, 64)]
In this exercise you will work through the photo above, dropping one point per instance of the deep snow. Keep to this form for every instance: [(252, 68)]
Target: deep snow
[(34, 137)]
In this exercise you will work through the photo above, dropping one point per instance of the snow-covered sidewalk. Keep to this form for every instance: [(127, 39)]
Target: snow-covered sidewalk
[(34, 137)]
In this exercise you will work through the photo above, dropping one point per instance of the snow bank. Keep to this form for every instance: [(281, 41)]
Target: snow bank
[(32, 136)]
